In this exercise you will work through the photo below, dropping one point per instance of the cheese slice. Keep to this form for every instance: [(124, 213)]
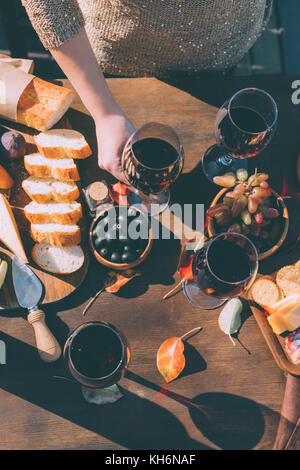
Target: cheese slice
[(284, 306), (288, 321), (9, 233)]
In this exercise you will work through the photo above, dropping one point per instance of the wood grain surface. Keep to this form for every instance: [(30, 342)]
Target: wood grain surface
[(56, 286), (241, 387)]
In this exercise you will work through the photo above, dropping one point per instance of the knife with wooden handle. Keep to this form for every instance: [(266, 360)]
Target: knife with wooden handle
[(29, 291)]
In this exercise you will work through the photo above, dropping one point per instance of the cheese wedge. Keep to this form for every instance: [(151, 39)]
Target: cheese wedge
[(285, 322), (286, 316), (9, 233), (284, 305)]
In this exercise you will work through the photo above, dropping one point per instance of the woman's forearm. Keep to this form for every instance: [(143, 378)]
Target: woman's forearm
[(77, 60)]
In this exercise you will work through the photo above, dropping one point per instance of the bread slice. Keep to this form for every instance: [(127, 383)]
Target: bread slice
[(265, 292), (288, 279), (62, 143), (57, 260), (62, 169), (56, 234), (64, 213), (42, 104), (43, 190)]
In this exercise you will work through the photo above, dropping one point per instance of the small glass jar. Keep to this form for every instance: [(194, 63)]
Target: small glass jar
[(97, 194)]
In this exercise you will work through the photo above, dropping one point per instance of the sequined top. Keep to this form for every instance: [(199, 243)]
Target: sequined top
[(154, 37)]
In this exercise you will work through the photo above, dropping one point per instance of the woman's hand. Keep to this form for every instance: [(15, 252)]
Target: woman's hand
[(113, 132)]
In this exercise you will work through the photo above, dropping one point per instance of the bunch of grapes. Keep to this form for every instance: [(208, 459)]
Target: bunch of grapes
[(246, 208)]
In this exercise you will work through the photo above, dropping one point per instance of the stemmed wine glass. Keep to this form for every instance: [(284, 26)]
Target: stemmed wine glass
[(223, 268), (244, 126), (152, 160), (96, 354)]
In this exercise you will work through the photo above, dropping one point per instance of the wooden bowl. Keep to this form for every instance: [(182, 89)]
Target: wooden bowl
[(119, 266), (284, 216)]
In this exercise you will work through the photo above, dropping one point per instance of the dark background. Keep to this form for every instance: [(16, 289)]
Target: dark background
[(276, 51)]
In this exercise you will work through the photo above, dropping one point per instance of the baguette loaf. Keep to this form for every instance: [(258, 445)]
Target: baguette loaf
[(53, 213), (58, 260), (56, 234), (62, 169), (48, 189), (62, 143), (42, 104)]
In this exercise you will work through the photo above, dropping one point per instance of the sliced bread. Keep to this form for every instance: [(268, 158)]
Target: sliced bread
[(265, 292), (53, 213), (58, 260), (62, 143), (43, 190), (56, 234), (42, 104), (62, 169)]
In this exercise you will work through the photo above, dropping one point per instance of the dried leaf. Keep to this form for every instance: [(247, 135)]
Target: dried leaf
[(115, 280), (170, 358), (120, 194), (102, 396)]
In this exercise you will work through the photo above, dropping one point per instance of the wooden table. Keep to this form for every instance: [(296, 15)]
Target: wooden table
[(242, 391)]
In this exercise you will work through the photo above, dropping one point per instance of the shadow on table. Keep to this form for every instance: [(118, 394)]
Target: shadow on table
[(132, 422), (229, 421)]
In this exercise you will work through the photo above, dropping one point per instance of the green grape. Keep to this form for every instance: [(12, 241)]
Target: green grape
[(246, 217), (242, 174)]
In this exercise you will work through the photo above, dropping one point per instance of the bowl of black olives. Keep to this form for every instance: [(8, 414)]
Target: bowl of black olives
[(120, 237)]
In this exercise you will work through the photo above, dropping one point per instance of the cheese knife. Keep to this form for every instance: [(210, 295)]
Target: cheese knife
[(29, 289)]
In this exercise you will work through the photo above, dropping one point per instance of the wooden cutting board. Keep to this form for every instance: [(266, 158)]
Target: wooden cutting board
[(274, 342), (56, 287)]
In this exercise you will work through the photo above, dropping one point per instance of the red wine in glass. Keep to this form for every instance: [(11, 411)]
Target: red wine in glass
[(244, 126), (96, 354), (223, 268), (152, 160)]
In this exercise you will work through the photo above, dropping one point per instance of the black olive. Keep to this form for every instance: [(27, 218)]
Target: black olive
[(99, 243), (127, 248), (128, 257), (115, 257), (104, 253)]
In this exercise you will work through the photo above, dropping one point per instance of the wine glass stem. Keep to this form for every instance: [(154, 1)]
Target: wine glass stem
[(224, 160)]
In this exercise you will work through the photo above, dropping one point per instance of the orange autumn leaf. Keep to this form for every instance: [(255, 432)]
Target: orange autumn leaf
[(185, 262), (117, 280), (170, 358), (120, 194), (185, 270)]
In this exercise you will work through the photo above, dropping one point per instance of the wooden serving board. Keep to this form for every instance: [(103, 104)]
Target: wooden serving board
[(274, 342), (56, 287)]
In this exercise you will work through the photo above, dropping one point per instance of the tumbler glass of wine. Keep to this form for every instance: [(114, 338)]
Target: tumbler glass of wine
[(244, 126), (96, 354), (152, 160), (223, 268)]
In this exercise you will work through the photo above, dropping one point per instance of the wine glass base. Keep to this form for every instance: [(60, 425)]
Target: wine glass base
[(152, 205), (216, 163), (198, 298)]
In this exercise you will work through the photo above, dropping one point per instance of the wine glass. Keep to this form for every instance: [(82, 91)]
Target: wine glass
[(223, 268), (152, 160), (244, 126), (96, 354)]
